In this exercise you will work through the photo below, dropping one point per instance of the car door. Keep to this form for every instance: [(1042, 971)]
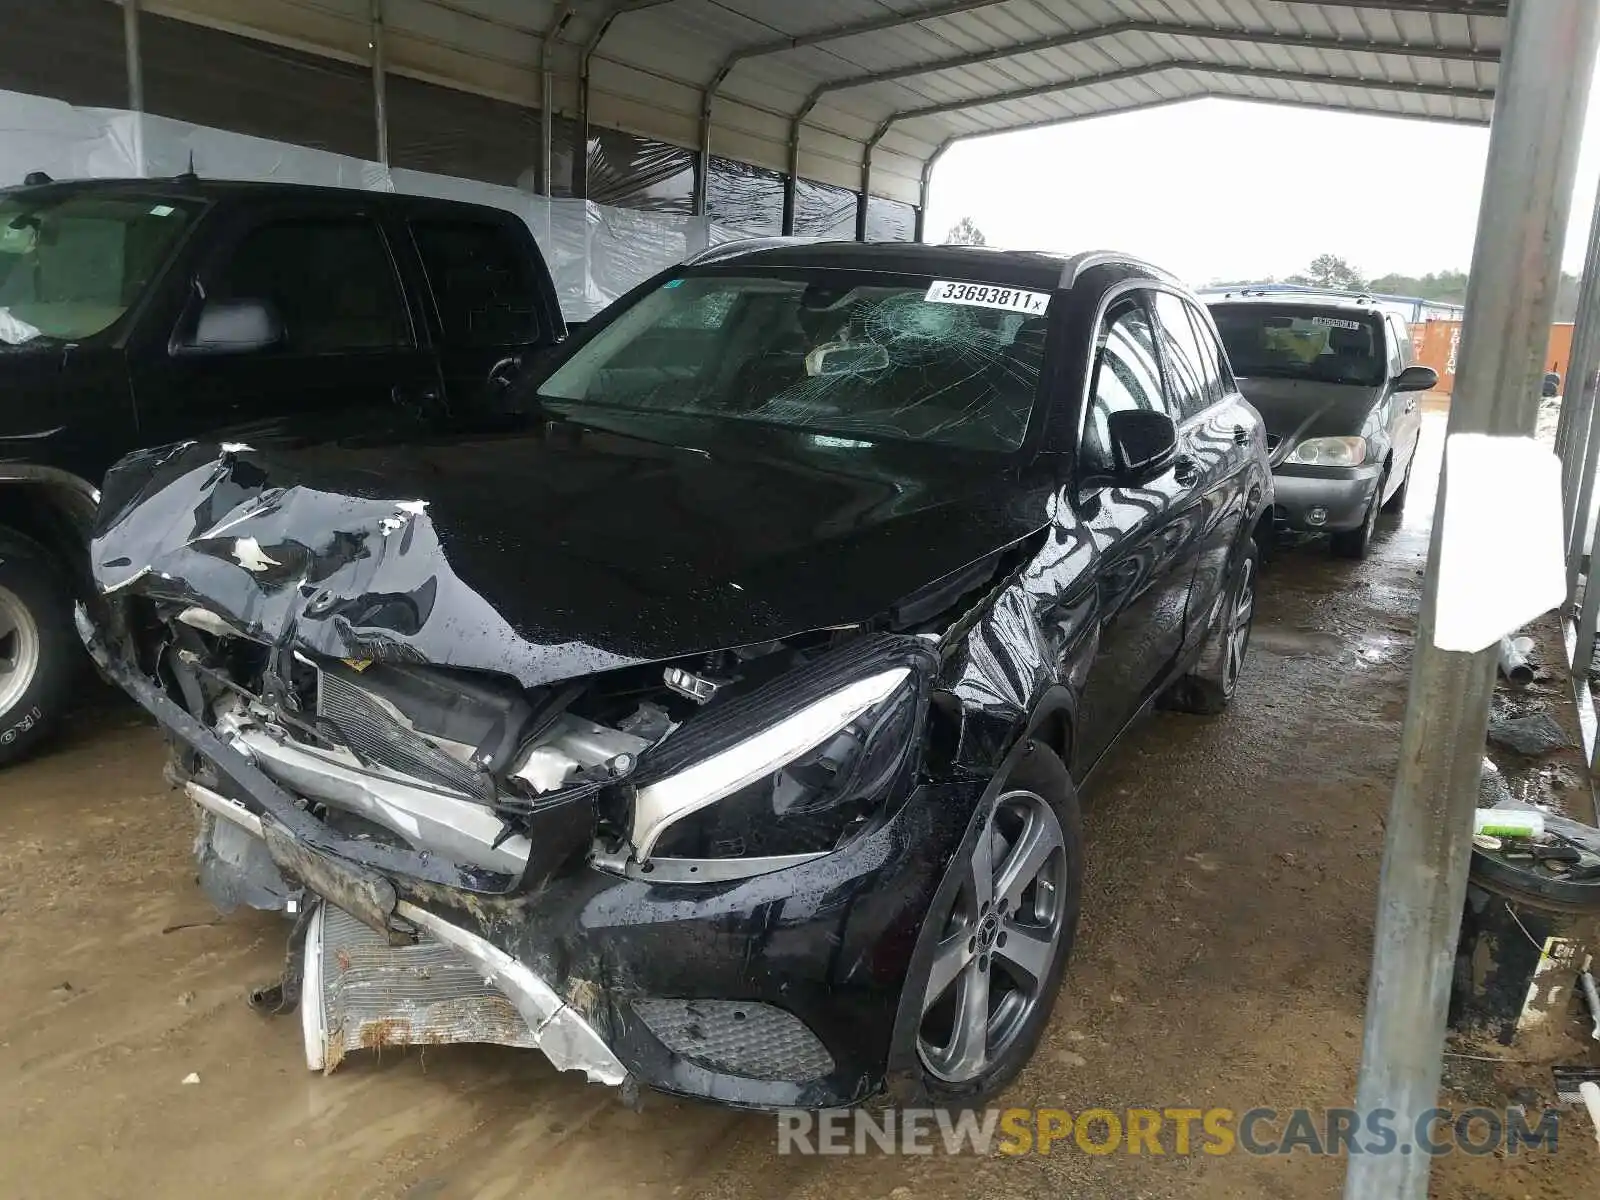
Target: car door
[(349, 362), (1407, 428), (488, 306), (1144, 536), (1215, 441)]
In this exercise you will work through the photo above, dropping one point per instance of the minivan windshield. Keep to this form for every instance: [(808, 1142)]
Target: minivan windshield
[(1300, 342), (843, 353), (70, 265)]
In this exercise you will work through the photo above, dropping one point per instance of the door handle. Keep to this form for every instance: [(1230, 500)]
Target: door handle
[(1241, 435), (504, 373)]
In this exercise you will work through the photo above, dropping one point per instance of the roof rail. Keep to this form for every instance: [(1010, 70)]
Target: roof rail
[(1079, 263), (739, 247)]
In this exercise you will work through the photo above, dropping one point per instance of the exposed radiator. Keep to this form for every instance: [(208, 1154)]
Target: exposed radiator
[(375, 736)]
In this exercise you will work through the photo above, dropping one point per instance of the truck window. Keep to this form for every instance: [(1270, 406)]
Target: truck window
[(482, 281), (1127, 375), (70, 266), (331, 280), (1219, 382), (1185, 362)]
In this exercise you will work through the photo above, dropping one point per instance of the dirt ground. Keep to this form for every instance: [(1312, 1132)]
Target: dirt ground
[(1221, 961)]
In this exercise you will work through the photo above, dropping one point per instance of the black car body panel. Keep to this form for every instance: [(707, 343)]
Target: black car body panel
[(736, 576), (376, 316)]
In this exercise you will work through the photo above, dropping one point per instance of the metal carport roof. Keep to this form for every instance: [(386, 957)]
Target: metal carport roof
[(842, 90)]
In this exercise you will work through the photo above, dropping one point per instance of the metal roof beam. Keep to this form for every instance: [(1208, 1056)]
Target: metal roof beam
[(1048, 89), (840, 32), (1067, 85), (1441, 8), (1209, 32)]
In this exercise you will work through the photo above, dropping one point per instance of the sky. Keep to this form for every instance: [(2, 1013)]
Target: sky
[(1219, 189)]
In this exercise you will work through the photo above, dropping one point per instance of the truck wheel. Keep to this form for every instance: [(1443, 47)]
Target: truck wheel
[(38, 653)]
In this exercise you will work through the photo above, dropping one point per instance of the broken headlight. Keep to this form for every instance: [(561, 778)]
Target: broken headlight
[(803, 786)]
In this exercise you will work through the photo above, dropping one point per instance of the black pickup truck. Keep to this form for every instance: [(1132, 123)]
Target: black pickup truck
[(142, 312)]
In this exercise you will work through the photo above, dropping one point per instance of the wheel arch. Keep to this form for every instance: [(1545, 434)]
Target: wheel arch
[(48, 513)]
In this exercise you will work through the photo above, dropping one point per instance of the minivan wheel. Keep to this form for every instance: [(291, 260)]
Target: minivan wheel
[(1357, 542), (38, 653), (1397, 502), (1006, 932)]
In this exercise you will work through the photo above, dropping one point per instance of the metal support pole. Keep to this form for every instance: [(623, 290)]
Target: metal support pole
[(1572, 428), (547, 96), (380, 88), (130, 42), (866, 176), (927, 187), (791, 181), (580, 165), (702, 168), (1533, 145), (1576, 435)]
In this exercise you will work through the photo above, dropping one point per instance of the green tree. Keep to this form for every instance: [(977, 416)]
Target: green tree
[(965, 232), (1331, 271)]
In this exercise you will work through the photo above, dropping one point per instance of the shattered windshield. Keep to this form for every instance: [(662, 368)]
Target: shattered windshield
[(1336, 346), (832, 352), (71, 265)]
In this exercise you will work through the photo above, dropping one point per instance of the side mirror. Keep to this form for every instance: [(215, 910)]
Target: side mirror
[(1416, 378), (1143, 444), (1552, 384), (234, 327)]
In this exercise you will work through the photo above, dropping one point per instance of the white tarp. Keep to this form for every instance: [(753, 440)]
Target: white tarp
[(595, 252)]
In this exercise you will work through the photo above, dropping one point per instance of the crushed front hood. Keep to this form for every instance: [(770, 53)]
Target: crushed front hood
[(541, 557)]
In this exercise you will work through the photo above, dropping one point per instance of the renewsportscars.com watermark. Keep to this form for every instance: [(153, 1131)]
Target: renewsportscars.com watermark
[(1166, 1131)]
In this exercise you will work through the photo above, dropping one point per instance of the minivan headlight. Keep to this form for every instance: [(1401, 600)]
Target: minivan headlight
[(802, 786), (1331, 452)]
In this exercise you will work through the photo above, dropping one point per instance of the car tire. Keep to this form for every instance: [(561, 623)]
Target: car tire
[(1210, 685), (1397, 502), (1029, 829), (39, 653), (1357, 542)]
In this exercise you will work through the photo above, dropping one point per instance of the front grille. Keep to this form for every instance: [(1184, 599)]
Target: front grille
[(738, 1037), (374, 736)]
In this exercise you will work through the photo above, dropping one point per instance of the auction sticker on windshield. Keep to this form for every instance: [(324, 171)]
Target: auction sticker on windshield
[(987, 295)]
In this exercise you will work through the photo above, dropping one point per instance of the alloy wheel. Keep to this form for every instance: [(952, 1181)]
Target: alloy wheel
[(1239, 621), (993, 964), (19, 649)]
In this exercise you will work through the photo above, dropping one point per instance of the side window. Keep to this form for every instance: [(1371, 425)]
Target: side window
[(705, 313), (1401, 333), (1185, 372), (482, 281), (1213, 365), (1127, 375), (331, 280)]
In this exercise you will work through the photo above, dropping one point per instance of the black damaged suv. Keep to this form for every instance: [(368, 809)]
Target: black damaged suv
[(728, 714), (137, 312)]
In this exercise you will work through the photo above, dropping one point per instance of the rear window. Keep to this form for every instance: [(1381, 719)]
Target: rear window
[(482, 281), (845, 353), (1326, 346)]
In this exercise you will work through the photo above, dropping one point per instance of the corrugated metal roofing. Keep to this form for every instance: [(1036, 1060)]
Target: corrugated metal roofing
[(905, 77)]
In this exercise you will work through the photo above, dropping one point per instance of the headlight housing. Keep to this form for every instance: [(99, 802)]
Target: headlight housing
[(801, 787), (1330, 452)]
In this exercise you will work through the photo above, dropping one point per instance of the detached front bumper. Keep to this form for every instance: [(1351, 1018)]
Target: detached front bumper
[(781, 990), (1322, 500)]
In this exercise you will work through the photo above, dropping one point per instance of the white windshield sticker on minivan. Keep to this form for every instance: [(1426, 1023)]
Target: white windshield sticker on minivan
[(1336, 323), (987, 295)]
